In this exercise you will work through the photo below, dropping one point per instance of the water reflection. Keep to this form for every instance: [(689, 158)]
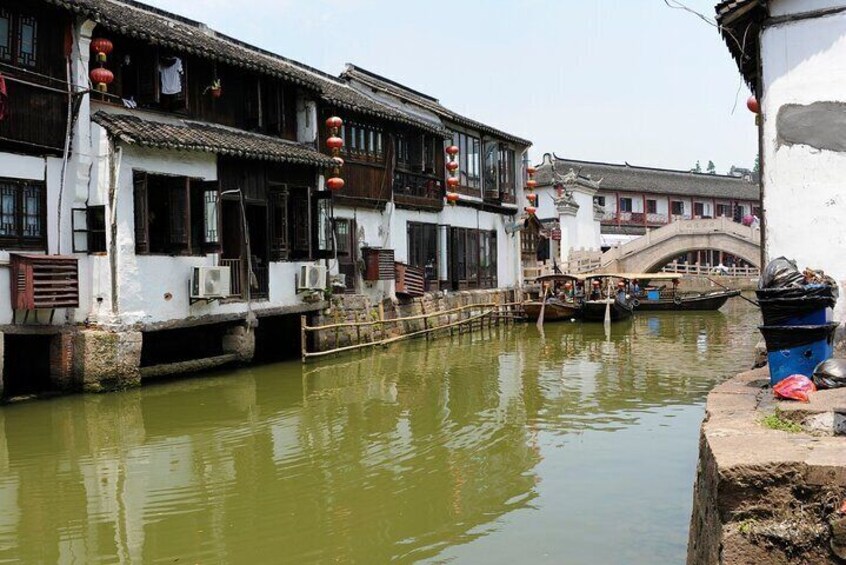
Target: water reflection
[(429, 451)]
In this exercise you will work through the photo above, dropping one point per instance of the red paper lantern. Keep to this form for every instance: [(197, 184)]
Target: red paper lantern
[(531, 170), (102, 78), (595, 283), (621, 284), (452, 166), (530, 210), (452, 181), (752, 104), (334, 142), (532, 197), (334, 122), (568, 285), (335, 184), (452, 197), (102, 47), (452, 150), (531, 183)]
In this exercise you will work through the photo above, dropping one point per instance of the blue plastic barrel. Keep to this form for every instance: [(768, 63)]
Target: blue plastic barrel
[(797, 350), (653, 294)]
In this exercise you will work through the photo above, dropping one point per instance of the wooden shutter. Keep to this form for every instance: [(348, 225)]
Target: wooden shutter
[(148, 78), (142, 231), (279, 246), (178, 207)]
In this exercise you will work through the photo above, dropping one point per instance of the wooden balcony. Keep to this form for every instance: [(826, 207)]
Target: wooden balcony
[(421, 192), (365, 184), (37, 115)]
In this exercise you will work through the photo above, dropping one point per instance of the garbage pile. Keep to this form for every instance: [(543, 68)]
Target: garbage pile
[(797, 308)]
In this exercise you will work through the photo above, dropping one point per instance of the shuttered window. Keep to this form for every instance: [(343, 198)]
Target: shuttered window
[(23, 214)]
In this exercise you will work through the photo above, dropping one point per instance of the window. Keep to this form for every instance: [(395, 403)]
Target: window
[(506, 170), (362, 142), (278, 211), (677, 208), (600, 200), (469, 165), (651, 206), (23, 216), (723, 210), (89, 229), (491, 166), (625, 204), (698, 209), (18, 38), (423, 248), (347, 252), (175, 215), (473, 261)]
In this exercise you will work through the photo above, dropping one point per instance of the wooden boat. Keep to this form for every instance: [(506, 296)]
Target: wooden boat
[(696, 302), (594, 310), (555, 310)]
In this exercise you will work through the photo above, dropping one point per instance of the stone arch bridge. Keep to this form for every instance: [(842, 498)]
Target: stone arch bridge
[(649, 253)]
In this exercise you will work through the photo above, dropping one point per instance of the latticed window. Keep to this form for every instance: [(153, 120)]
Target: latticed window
[(22, 214), (18, 38)]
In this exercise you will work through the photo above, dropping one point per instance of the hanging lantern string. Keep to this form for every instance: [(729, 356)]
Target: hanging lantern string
[(452, 180), (334, 143)]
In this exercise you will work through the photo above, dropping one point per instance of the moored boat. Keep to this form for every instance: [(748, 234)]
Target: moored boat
[(555, 310), (689, 302), (594, 310)]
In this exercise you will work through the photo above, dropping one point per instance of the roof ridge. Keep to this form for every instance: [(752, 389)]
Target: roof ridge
[(626, 165), (355, 68)]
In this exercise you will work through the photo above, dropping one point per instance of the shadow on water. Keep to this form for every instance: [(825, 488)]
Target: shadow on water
[(497, 446)]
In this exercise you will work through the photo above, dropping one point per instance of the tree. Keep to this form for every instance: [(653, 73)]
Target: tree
[(756, 168), (697, 168), (712, 169)]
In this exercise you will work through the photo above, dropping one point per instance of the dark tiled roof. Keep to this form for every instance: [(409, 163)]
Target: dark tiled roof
[(740, 25), (158, 27), (629, 178), (424, 101), (194, 136)]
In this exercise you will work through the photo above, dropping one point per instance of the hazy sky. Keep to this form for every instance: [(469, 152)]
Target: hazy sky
[(603, 80)]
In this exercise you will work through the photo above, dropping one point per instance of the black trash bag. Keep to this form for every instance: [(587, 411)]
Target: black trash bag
[(831, 373), (780, 305), (781, 273), (779, 338)]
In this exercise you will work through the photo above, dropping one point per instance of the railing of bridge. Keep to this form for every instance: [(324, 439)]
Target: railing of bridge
[(696, 269)]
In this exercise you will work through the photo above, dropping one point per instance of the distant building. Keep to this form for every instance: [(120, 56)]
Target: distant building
[(631, 199)]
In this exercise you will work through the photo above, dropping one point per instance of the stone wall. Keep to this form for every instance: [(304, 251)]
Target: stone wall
[(359, 308), (769, 489)]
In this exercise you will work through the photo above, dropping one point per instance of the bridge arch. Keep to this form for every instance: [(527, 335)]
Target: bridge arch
[(658, 247)]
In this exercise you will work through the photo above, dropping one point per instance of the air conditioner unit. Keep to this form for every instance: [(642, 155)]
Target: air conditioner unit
[(210, 282), (312, 277)]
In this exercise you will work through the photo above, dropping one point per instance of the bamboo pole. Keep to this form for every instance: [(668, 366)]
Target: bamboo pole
[(303, 338)]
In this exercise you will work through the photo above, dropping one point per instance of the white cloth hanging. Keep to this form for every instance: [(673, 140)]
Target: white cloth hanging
[(171, 76)]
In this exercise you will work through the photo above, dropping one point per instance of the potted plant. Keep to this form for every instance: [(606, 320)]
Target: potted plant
[(215, 88)]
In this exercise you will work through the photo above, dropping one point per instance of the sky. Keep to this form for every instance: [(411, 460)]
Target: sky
[(601, 80)]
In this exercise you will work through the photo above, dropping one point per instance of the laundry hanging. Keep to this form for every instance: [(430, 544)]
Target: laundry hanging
[(170, 71)]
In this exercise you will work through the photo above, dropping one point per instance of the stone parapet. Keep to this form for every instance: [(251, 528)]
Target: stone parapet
[(105, 361), (769, 485)]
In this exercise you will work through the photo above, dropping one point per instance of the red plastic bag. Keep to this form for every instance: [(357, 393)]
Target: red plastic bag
[(795, 387)]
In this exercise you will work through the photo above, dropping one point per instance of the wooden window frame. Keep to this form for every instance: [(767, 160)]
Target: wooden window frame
[(11, 52), (651, 206), (21, 241), (87, 239), (630, 202)]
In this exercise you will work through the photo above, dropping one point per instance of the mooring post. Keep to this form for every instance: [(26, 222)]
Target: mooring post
[(303, 339)]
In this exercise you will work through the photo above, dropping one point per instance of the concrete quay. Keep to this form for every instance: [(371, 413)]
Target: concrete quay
[(771, 478)]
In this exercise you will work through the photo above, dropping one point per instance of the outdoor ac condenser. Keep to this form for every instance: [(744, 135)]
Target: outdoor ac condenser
[(312, 277), (210, 282)]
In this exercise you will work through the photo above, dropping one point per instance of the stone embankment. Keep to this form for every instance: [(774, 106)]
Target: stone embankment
[(771, 479)]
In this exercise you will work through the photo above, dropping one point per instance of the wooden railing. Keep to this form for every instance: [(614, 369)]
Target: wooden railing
[(379, 332), (37, 115), (418, 190), (697, 269)]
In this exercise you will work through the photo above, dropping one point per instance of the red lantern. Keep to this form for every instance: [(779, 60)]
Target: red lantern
[(452, 166), (568, 285), (452, 182), (102, 78), (334, 142), (531, 170), (531, 183), (595, 283), (102, 47), (452, 197), (452, 150), (621, 284), (335, 184), (530, 210), (532, 197), (752, 104), (334, 122)]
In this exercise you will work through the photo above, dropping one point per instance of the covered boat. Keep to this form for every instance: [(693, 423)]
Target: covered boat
[(560, 292), (651, 298), (604, 296)]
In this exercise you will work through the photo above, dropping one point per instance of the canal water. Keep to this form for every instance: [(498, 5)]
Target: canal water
[(500, 447)]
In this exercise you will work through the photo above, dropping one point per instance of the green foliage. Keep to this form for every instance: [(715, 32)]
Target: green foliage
[(756, 168), (775, 422), (712, 169), (697, 168)]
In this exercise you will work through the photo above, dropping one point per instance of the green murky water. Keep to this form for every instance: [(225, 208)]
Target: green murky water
[(495, 448)]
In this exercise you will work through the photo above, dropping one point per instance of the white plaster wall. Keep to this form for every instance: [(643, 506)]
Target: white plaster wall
[(784, 7), (587, 228), (546, 203), (374, 230), (804, 196)]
